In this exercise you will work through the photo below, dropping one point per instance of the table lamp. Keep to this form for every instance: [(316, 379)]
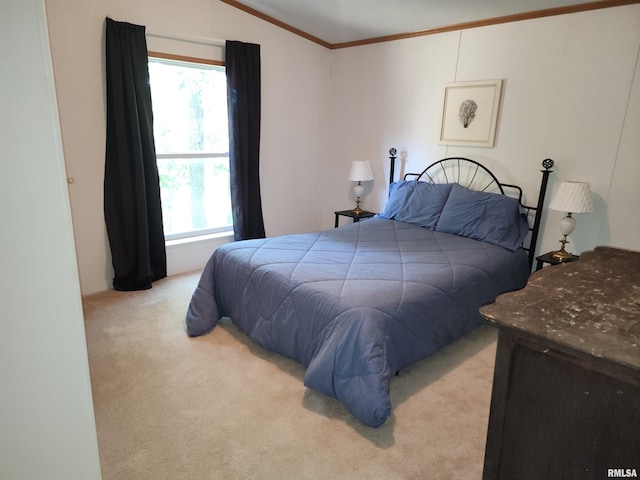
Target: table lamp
[(571, 197), (360, 171)]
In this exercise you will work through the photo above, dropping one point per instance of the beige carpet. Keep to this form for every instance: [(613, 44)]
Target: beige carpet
[(219, 407)]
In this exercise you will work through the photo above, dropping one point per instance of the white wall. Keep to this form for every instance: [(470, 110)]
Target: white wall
[(568, 81), (621, 224), (47, 427), (295, 81), (571, 93)]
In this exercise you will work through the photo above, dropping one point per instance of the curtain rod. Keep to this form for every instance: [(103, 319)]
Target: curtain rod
[(187, 38)]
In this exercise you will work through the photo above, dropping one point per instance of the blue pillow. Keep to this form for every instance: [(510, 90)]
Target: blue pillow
[(418, 203), (398, 196), (489, 217)]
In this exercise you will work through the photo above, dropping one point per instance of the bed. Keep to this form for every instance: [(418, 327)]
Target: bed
[(358, 303)]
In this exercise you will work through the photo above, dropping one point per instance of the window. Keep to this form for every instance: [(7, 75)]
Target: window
[(192, 146)]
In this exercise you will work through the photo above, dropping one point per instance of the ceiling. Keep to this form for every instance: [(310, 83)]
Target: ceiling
[(337, 23)]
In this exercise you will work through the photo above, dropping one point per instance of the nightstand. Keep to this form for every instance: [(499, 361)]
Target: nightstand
[(548, 258), (350, 214)]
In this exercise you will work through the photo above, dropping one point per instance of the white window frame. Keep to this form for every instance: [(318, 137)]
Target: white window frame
[(178, 59)]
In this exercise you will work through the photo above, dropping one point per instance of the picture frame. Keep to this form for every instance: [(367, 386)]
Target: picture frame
[(470, 113)]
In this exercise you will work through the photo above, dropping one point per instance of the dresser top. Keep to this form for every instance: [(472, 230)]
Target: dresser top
[(591, 306)]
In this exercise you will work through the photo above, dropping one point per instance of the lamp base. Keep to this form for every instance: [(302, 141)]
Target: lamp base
[(357, 210), (562, 255)]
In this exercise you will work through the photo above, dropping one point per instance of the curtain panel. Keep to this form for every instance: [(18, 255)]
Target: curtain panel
[(132, 208), (242, 62)]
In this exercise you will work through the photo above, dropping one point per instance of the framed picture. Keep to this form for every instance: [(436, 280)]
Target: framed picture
[(470, 113)]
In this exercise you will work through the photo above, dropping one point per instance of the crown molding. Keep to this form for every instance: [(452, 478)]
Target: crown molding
[(548, 12)]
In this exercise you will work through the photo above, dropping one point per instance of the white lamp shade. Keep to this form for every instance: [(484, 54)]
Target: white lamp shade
[(360, 171), (572, 197)]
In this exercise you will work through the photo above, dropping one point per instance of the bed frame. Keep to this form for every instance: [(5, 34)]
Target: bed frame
[(476, 176)]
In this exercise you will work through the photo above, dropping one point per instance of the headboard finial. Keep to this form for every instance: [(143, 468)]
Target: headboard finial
[(392, 159), (547, 163)]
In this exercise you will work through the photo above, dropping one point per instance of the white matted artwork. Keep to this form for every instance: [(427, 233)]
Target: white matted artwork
[(470, 113)]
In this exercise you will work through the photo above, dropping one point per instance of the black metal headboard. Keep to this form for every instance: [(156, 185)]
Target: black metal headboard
[(472, 174)]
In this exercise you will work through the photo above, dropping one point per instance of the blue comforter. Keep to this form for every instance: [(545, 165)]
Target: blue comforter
[(357, 303)]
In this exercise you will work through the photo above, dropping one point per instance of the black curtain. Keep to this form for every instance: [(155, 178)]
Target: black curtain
[(242, 62), (132, 208)]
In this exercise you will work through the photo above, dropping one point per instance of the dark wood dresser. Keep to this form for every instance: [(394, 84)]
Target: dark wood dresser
[(566, 389)]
